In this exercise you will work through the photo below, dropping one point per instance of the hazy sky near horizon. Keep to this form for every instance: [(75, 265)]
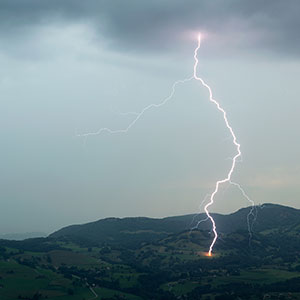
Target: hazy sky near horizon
[(70, 67)]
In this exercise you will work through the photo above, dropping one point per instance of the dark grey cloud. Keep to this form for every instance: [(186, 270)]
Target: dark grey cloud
[(135, 25)]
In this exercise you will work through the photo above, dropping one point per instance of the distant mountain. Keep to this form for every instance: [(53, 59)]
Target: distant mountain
[(132, 232), (22, 236)]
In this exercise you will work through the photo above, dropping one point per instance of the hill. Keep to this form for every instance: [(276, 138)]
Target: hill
[(132, 232)]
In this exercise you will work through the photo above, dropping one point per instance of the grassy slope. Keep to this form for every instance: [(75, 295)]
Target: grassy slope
[(18, 280)]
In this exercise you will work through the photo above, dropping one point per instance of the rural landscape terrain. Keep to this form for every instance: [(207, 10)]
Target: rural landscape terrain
[(118, 118), (144, 258)]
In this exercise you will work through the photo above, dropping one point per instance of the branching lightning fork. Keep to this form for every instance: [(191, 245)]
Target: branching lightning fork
[(138, 115), (234, 160)]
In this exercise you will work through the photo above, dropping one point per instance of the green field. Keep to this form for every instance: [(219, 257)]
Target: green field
[(257, 276), (108, 293)]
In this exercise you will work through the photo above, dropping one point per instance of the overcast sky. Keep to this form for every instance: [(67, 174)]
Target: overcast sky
[(70, 67)]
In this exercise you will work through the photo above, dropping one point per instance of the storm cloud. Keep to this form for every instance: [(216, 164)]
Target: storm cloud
[(271, 26), (68, 67)]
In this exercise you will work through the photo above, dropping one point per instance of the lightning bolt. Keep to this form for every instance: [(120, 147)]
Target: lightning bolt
[(234, 139), (234, 160)]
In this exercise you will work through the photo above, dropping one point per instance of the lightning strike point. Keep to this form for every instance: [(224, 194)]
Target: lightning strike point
[(207, 254)]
